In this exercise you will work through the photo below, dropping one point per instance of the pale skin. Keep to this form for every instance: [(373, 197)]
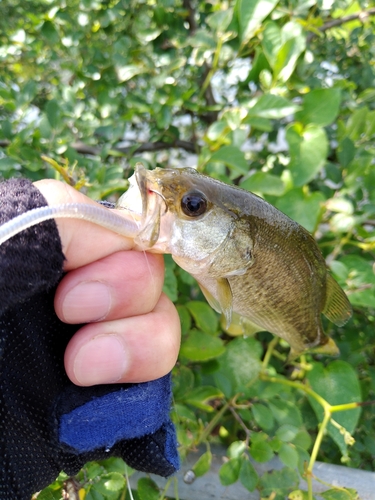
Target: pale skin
[(133, 330)]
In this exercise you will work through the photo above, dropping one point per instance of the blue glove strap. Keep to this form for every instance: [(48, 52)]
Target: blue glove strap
[(128, 413)]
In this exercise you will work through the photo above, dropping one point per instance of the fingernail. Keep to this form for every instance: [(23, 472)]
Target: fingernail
[(86, 302), (102, 360)]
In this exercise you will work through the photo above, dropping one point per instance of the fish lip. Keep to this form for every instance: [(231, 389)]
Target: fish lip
[(147, 184), (152, 208)]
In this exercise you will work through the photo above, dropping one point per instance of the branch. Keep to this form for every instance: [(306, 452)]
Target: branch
[(362, 16), (142, 148), (191, 16), (86, 149)]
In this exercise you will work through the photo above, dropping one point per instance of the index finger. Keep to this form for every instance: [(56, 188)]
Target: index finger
[(83, 242)]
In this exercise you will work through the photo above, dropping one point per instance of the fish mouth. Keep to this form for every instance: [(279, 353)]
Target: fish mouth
[(146, 204)]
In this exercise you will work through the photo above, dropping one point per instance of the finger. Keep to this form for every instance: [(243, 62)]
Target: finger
[(135, 349), (82, 241), (120, 285)]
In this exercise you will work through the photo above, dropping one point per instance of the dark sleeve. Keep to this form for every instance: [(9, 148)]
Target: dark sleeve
[(32, 261)]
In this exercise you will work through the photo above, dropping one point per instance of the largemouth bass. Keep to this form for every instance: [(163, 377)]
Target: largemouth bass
[(250, 260)]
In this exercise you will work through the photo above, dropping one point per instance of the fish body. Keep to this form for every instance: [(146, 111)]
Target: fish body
[(248, 257)]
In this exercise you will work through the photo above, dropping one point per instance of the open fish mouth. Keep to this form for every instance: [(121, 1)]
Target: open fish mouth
[(146, 204)]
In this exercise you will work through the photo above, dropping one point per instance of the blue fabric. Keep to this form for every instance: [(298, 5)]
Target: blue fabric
[(171, 445), (125, 414)]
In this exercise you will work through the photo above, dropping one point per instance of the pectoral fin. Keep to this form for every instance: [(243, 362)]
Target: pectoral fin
[(210, 298), (223, 302), (337, 307)]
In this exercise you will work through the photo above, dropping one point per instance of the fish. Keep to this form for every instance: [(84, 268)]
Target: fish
[(262, 270)]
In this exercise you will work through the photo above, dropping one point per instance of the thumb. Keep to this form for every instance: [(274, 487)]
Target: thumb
[(83, 242)]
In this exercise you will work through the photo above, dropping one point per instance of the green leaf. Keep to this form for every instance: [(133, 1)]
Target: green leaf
[(203, 39), (342, 494), (287, 56), (49, 32), (271, 41), (53, 113), (185, 318), (302, 440), (289, 455), (346, 151), (338, 384), (272, 107), (356, 124), (204, 316), (201, 346), (286, 432), (114, 464), (241, 362), (125, 73), (285, 412), (263, 416), (148, 489), (170, 280), (278, 483), (233, 157), (229, 472), (114, 482), (248, 475), (261, 451), (298, 495), (250, 16), (220, 20), (265, 183), (201, 395), (203, 464), (361, 276), (308, 152), (302, 207), (93, 494), (320, 107)]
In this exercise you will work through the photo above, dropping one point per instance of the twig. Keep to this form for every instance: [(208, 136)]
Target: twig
[(362, 16), (86, 149)]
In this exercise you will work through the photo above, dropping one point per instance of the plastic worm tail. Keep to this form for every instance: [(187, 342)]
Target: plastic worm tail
[(98, 215)]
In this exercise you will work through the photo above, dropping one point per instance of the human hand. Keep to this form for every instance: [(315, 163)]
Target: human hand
[(133, 330)]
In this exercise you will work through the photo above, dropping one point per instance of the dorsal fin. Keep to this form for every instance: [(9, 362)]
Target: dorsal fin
[(337, 307)]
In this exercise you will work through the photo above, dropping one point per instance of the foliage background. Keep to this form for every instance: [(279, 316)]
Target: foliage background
[(274, 96)]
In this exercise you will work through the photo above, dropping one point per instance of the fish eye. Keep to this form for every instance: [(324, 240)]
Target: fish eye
[(193, 204)]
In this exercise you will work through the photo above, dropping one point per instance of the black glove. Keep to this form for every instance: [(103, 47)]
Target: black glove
[(47, 424)]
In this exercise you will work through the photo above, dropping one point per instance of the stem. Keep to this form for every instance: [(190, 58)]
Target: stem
[(270, 349), (213, 70), (209, 428), (314, 453), (164, 492), (297, 385)]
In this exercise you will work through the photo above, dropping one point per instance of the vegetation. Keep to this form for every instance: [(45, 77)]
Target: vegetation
[(276, 96)]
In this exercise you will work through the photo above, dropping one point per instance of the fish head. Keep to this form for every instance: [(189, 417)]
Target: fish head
[(179, 213)]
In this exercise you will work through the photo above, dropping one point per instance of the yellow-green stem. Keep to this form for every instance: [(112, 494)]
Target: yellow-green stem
[(164, 492), (270, 349), (210, 427), (297, 385), (212, 71)]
